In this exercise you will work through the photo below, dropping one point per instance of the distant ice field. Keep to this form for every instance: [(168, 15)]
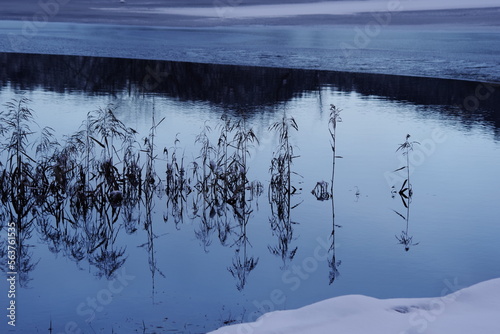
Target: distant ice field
[(451, 51)]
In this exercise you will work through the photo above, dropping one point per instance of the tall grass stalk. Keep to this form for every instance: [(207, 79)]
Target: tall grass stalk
[(406, 189), (332, 128), (406, 193)]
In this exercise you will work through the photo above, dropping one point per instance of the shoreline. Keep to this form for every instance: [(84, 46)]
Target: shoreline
[(457, 310), (471, 81)]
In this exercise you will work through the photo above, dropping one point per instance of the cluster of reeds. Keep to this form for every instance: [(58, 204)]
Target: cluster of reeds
[(80, 191), (221, 181), (18, 177), (281, 189), (75, 191), (70, 191)]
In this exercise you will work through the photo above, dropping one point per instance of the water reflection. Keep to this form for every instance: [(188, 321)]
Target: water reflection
[(323, 192), (24, 263), (17, 200), (80, 195), (177, 187), (152, 186), (405, 238), (102, 173), (281, 190), (242, 263), (405, 192), (222, 84), (332, 129)]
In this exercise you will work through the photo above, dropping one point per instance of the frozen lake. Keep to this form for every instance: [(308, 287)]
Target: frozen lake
[(188, 255), (447, 51)]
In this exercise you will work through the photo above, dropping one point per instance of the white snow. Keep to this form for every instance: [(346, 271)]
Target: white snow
[(231, 9), (475, 309)]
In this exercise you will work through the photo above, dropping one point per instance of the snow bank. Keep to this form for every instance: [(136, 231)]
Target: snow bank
[(475, 309), (316, 8)]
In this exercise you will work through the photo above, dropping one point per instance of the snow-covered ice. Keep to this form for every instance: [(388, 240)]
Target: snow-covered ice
[(475, 309), (348, 7)]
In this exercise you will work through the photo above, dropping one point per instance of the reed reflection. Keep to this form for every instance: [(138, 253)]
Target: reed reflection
[(405, 193), (281, 190), (79, 194), (323, 191)]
